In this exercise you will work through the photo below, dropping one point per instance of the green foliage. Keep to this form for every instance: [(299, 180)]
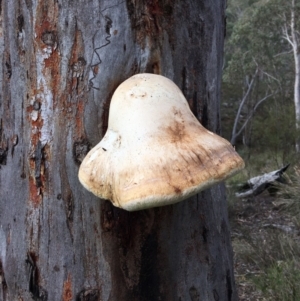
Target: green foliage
[(255, 40), (274, 129)]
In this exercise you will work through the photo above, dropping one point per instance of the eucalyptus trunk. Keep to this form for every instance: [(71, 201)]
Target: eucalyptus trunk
[(296, 51), (61, 62), (297, 96)]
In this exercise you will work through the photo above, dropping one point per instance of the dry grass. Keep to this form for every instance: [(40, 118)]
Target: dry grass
[(266, 243)]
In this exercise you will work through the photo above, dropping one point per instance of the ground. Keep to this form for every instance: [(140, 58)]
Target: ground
[(265, 238)]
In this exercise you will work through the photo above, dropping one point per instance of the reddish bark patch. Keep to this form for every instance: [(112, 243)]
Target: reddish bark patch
[(96, 69), (77, 63), (34, 192), (46, 20), (46, 46), (77, 51), (76, 98), (148, 18), (79, 122), (47, 42), (67, 290), (36, 162)]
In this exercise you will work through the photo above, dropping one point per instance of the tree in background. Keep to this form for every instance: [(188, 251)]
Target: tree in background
[(291, 33), (259, 71), (60, 64)]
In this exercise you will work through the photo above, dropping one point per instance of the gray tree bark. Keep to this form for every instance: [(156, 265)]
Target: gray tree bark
[(61, 61)]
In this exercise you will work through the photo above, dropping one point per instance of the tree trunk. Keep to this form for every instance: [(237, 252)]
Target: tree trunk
[(61, 62), (297, 96), (296, 51)]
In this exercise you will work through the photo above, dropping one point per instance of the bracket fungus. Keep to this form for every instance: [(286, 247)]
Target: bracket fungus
[(155, 152)]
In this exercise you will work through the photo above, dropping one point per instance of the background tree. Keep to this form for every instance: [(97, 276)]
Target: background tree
[(292, 35), (61, 61), (260, 60), (257, 53)]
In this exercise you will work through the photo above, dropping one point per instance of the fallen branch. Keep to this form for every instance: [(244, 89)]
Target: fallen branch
[(257, 185), (284, 228)]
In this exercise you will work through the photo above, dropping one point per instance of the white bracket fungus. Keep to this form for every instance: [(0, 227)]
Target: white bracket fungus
[(155, 152)]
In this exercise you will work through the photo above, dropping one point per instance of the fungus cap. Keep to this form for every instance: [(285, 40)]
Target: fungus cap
[(155, 152)]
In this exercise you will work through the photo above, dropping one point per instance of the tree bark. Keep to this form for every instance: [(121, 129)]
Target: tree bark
[(61, 62), (295, 42)]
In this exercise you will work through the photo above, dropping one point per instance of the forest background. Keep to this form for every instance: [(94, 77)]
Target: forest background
[(261, 117)]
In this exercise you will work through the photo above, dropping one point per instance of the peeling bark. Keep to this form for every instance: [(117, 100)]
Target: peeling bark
[(61, 62)]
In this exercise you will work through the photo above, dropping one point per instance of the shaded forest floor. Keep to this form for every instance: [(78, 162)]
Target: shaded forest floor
[(266, 243)]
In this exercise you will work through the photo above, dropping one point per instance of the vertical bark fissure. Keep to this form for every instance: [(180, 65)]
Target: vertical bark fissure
[(3, 283)]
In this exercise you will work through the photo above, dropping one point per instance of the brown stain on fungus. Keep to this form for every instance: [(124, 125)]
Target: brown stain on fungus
[(177, 190), (175, 132)]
